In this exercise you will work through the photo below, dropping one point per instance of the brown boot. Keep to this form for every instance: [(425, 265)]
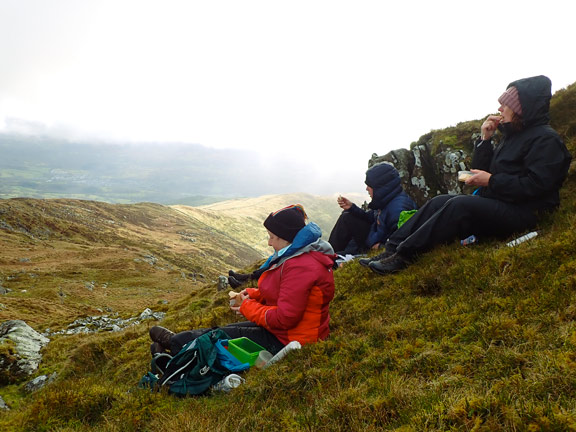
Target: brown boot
[(156, 348), (161, 335)]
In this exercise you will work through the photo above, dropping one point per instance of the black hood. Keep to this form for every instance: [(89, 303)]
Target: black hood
[(535, 94)]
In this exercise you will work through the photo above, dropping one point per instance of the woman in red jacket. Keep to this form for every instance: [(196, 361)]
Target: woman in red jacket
[(294, 290)]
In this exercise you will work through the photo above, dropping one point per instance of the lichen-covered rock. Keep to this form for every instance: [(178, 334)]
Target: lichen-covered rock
[(20, 347), (105, 323), (3, 405), (428, 170), (39, 382)]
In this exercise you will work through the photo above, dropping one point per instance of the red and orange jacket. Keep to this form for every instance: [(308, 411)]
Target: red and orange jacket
[(292, 299)]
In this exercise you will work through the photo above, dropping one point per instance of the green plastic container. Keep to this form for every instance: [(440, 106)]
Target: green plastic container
[(244, 350)]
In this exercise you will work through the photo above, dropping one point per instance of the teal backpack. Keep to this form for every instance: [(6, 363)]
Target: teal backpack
[(199, 365)]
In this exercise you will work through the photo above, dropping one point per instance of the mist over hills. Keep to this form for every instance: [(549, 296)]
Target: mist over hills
[(45, 166)]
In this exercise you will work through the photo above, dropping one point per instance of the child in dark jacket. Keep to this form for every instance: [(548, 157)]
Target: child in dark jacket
[(356, 231)]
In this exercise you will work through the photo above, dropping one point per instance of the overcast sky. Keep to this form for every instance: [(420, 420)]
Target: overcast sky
[(331, 80)]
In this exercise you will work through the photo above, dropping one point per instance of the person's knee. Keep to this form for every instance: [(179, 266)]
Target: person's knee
[(462, 210), (436, 203), (348, 222), (346, 217), (455, 201), (463, 203)]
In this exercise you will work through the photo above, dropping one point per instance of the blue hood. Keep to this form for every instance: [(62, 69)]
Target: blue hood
[(384, 179)]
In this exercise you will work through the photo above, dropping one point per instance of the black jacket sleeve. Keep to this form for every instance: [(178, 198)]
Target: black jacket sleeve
[(482, 156), (368, 216)]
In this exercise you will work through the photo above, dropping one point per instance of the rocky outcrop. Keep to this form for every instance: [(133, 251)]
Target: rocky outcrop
[(429, 167), (20, 353), (39, 382), (20, 344), (105, 323)]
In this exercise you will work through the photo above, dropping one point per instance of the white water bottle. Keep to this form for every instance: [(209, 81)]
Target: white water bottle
[(228, 383), (522, 239), (294, 345)]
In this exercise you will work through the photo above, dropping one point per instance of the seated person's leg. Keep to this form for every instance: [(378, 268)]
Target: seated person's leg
[(462, 216), (236, 330), (180, 339), (458, 217), (349, 227), (416, 221), (255, 333)]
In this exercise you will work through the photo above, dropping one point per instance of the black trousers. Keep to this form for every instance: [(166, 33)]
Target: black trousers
[(349, 227), (236, 330), (448, 217)]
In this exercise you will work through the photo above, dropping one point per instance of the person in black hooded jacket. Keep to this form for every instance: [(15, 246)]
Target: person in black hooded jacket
[(518, 181), (357, 230)]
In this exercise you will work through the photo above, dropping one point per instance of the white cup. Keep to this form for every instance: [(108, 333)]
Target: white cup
[(263, 358)]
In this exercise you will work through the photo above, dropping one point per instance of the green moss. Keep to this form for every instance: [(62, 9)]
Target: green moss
[(8, 361)]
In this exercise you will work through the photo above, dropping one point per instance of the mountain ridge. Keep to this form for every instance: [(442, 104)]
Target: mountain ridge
[(243, 218)]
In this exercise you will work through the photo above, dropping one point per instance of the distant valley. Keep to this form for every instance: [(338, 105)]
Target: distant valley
[(41, 166)]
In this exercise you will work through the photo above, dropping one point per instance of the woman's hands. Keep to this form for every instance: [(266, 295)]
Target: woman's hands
[(480, 178), (244, 296), (489, 126)]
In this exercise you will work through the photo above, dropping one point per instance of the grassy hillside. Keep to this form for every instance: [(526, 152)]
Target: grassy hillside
[(69, 258), (479, 338), (63, 259)]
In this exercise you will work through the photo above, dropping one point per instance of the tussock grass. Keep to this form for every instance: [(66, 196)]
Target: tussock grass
[(476, 338), (448, 345)]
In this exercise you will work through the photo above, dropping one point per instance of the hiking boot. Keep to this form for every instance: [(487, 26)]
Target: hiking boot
[(392, 264), (240, 277), (233, 282), (381, 256), (162, 336), (156, 348)]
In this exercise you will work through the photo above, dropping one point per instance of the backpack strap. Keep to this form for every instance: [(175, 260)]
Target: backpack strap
[(166, 379), (159, 363)]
